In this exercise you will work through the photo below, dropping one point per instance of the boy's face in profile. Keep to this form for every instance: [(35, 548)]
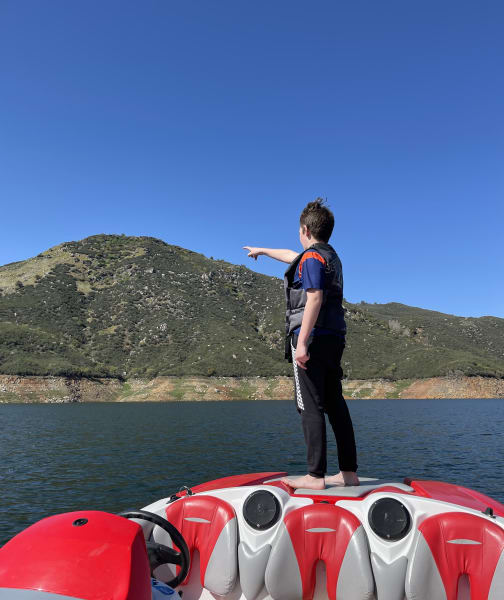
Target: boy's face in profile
[(306, 241)]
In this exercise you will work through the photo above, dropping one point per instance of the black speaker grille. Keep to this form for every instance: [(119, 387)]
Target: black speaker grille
[(389, 519), (261, 510)]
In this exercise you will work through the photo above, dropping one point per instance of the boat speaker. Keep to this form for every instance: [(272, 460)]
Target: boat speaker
[(389, 519), (261, 510)]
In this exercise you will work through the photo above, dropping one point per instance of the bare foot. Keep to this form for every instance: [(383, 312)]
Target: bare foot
[(307, 482), (343, 478)]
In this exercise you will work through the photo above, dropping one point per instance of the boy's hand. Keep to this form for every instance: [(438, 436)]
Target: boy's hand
[(253, 252), (301, 355), (281, 254)]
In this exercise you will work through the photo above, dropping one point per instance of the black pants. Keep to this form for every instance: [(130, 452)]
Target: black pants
[(318, 391)]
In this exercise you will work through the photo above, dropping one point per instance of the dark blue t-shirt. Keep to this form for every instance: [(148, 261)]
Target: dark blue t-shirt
[(310, 273)]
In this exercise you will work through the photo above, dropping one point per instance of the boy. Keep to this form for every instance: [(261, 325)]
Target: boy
[(316, 329)]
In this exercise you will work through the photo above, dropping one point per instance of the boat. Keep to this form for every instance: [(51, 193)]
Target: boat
[(252, 537)]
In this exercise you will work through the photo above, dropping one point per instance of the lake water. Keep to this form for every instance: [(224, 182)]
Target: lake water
[(58, 458)]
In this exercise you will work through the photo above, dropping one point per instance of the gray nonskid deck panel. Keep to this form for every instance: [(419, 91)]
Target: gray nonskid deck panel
[(368, 484)]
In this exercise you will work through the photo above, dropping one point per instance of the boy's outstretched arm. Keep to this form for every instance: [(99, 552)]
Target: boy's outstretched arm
[(283, 255)]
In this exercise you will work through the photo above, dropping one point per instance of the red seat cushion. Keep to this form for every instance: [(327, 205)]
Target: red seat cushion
[(320, 532), (202, 520), (461, 543)]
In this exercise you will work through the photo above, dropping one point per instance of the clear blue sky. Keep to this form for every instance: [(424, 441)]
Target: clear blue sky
[(211, 124)]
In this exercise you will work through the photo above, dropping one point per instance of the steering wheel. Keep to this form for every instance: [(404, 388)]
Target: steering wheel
[(159, 554)]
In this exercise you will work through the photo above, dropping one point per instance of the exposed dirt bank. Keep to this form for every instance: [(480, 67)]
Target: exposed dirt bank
[(161, 389), (435, 387)]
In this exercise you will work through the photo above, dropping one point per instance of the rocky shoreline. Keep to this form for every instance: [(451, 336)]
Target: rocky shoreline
[(63, 390)]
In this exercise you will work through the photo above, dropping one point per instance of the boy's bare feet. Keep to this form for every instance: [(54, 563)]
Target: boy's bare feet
[(343, 478), (307, 482)]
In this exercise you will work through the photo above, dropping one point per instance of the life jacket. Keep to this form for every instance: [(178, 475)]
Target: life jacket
[(332, 313)]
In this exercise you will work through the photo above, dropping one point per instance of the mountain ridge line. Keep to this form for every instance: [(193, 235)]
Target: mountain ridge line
[(126, 307)]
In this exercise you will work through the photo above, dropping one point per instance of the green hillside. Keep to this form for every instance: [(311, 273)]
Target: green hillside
[(117, 306)]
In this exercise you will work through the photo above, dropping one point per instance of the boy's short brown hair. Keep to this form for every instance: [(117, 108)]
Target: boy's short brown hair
[(319, 219)]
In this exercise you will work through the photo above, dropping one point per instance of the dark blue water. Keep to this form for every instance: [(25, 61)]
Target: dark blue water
[(57, 458)]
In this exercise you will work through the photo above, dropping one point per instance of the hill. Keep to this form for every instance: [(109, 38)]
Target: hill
[(121, 307)]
